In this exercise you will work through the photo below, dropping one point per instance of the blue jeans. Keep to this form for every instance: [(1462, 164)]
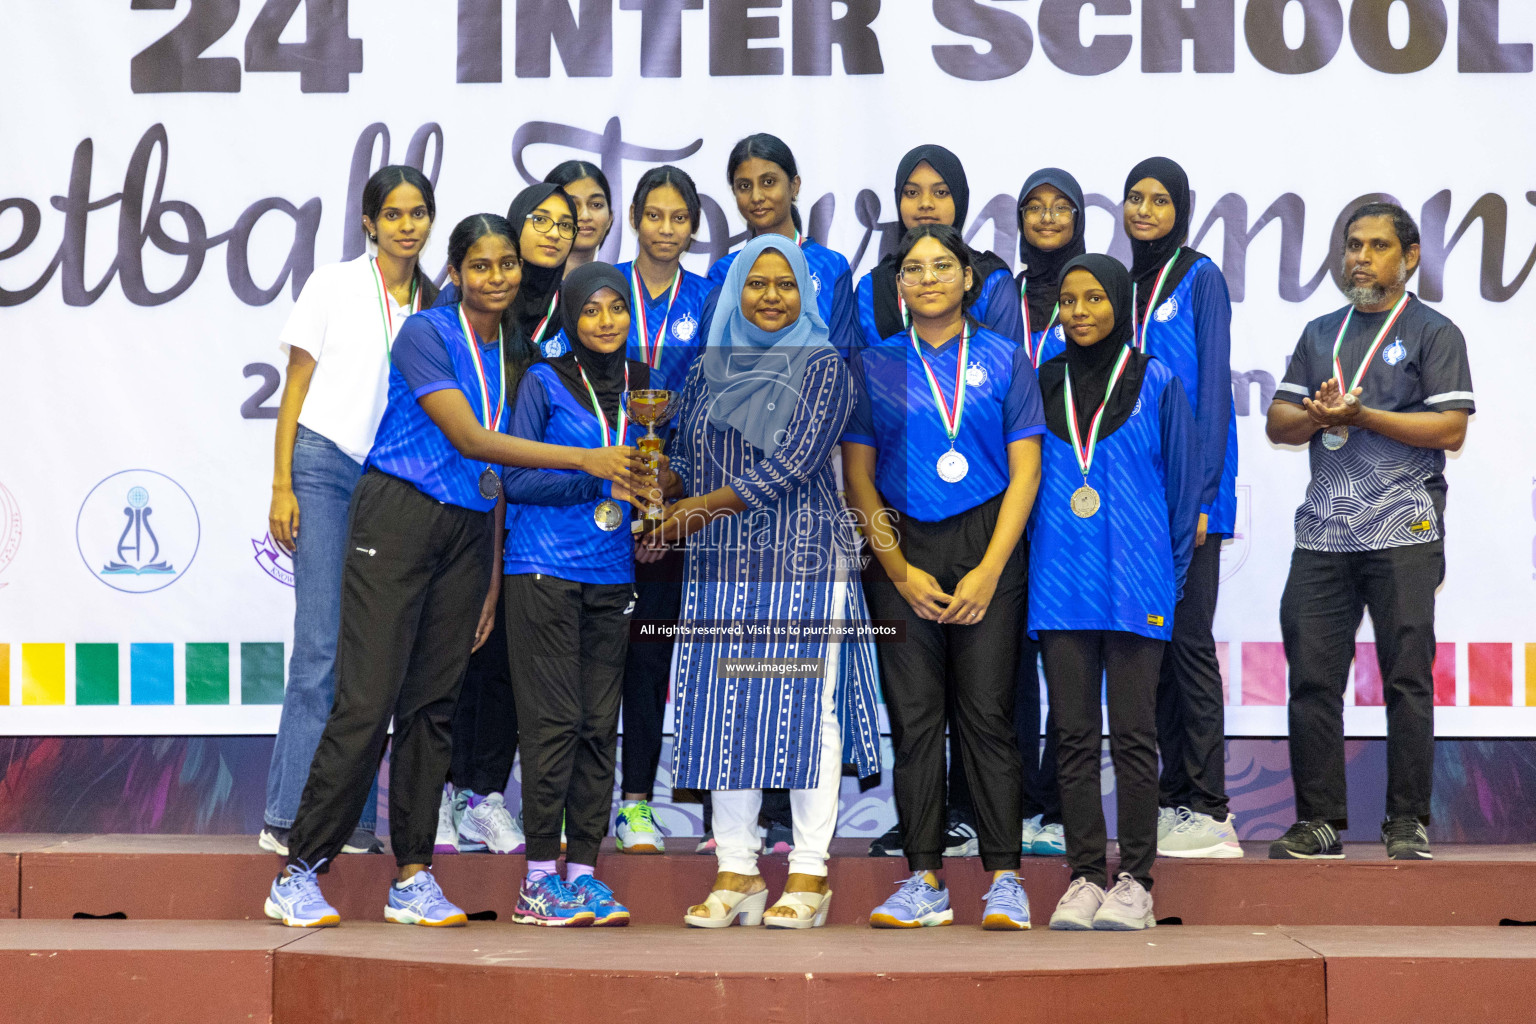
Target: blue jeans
[(323, 479)]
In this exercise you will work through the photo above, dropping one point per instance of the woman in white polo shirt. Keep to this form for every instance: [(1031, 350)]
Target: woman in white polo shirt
[(338, 341)]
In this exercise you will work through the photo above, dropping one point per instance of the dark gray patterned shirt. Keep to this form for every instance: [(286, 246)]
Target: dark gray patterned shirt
[(1375, 492)]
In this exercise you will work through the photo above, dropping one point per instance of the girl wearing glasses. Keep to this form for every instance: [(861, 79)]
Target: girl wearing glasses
[(766, 183), (1110, 541), (1051, 221), (473, 815), (569, 563), (941, 459), (931, 188), (1184, 318), (665, 335), (419, 588), (587, 186)]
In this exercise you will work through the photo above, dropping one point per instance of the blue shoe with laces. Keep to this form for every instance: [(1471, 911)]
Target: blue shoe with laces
[(296, 901), (607, 911), (915, 904), (551, 902), (1007, 905), (420, 901)]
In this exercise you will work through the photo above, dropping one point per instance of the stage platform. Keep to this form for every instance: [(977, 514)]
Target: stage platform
[(1261, 942), (224, 878)]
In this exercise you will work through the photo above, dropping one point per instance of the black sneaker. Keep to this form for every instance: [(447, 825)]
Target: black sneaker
[(362, 841), (888, 845), (1308, 840), (1406, 839), (960, 839)]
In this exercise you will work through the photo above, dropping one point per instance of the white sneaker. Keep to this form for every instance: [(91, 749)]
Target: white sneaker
[(1126, 908), (490, 826), (1050, 841), (1168, 819), (1200, 835), (1031, 829), (635, 830), (447, 840), (1076, 910)]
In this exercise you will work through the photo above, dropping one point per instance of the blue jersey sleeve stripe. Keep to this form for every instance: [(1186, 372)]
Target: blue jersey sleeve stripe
[(859, 439), (437, 385), (1019, 435)]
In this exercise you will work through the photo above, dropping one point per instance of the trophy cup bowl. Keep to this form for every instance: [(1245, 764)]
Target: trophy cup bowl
[(649, 407)]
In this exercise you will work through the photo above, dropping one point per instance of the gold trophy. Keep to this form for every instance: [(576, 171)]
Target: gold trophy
[(649, 407)]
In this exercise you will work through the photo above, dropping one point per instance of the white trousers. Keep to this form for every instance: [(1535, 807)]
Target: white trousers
[(814, 810)]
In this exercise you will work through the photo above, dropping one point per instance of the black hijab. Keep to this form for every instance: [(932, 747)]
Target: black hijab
[(539, 283), (1092, 364), (983, 264), (1041, 270), (1148, 258), (604, 369)]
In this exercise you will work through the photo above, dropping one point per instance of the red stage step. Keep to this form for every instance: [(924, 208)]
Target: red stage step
[(225, 878)]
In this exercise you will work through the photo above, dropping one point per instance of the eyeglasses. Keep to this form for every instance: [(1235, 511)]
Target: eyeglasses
[(1061, 211), (944, 272), (543, 222)]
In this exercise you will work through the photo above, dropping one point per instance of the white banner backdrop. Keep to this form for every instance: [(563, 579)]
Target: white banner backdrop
[(174, 169)]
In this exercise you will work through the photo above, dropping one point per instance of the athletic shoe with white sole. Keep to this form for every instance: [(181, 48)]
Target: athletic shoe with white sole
[(1308, 840), (1201, 835), (450, 810), (421, 901), (706, 843), (273, 840), (362, 840), (1050, 841), (607, 911), (635, 829), (915, 904), (1007, 905), (490, 826), (552, 903), (1126, 908), (960, 838), (1406, 839), (1076, 908), (1032, 827), (778, 838), (1168, 819), (295, 900), (888, 845)]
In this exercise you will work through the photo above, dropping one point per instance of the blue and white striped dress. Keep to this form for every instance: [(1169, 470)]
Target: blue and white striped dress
[(776, 564)]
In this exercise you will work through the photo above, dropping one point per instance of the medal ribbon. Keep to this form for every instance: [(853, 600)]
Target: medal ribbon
[(1083, 452), (1157, 291), (538, 332), (1030, 349), (597, 409), (649, 353), (485, 388), (1338, 371), (951, 418), (385, 314)]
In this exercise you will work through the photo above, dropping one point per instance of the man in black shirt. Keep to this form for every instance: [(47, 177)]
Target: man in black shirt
[(1379, 392)]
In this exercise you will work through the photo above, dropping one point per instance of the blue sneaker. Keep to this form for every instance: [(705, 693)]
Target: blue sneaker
[(1007, 906), (916, 904), (606, 910), (552, 903), (420, 901), (296, 901)]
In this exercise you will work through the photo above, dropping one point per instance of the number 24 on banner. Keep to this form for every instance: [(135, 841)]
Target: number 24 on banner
[(173, 63)]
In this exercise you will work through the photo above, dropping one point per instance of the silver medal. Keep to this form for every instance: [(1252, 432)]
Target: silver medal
[(490, 484), (953, 467), (1335, 438), (608, 516)]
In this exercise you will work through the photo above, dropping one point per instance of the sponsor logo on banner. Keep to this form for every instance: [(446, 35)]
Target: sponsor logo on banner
[(1235, 552), (10, 528), (138, 531), (274, 561)]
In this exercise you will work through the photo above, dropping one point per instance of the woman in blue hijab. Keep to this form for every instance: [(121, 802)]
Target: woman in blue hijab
[(771, 575)]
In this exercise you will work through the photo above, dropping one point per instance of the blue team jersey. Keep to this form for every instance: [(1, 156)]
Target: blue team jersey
[(833, 281), (551, 529), (997, 307), (684, 331), (431, 354), (894, 412), (1123, 567), (1191, 331)]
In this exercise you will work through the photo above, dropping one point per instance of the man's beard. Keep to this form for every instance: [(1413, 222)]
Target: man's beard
[(1372, 294)]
